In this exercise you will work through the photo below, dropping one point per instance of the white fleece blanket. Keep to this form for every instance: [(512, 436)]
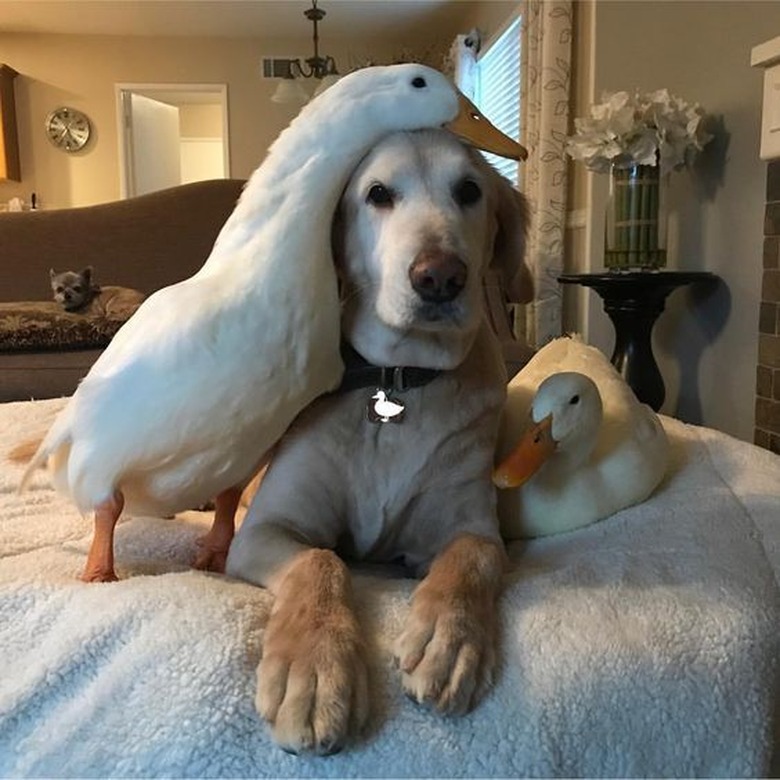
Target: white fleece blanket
[(645, 645)]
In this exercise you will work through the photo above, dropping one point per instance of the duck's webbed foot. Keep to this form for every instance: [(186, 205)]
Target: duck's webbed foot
[(100, 559), (215, 544)]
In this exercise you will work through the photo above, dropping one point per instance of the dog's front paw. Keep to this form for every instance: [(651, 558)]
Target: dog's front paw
[(312, 680), (447, 651)]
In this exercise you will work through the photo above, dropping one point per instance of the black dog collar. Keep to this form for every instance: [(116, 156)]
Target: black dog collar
[(358, 372)]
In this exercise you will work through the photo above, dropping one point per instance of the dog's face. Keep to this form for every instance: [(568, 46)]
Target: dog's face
[(71, 289), (417, 228)]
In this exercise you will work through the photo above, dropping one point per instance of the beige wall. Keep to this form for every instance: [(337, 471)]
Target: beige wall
[(490, 17), (700, 50), (200, 121), (81, 71)]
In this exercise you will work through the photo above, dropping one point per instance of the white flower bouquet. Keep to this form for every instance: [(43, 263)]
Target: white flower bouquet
[(625, 129)]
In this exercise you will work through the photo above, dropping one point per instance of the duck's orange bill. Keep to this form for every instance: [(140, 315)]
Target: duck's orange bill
[(527, 457), (473, 127)]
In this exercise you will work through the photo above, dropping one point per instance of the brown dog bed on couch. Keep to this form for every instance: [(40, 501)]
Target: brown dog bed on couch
[(33, 326)]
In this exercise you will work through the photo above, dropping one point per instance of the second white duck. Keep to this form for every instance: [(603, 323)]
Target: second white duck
[(591, 450)]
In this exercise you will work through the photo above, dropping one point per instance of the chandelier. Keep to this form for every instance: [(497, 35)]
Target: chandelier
[(320, 67)]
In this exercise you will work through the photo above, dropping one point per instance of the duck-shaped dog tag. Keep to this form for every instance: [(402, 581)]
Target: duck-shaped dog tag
[(382, 408)]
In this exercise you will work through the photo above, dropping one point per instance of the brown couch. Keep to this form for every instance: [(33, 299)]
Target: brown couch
[(142, 243)]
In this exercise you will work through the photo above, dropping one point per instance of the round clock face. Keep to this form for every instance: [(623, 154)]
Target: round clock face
[(68, 129)]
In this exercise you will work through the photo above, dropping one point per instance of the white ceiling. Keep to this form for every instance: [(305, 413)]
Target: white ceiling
[(230, 18)]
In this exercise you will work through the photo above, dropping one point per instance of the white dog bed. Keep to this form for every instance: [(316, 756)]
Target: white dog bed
[(644, 645)]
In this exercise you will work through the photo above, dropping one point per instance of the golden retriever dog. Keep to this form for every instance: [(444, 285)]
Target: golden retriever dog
[(396, 464)]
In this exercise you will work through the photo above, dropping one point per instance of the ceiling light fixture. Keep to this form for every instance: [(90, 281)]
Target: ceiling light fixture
[(318, 67)]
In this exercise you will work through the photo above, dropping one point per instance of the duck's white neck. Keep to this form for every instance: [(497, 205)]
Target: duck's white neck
[(301, 179), (576, 447), (574, 453)]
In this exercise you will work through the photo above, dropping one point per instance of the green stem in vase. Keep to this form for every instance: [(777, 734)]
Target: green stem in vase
[(654, 204), (645, 214), (635, 213)]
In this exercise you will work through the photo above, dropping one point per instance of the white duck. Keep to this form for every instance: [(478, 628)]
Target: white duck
[(206, 376), (592, 448)]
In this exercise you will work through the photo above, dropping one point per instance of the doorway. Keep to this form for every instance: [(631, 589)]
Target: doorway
[(171, 134)]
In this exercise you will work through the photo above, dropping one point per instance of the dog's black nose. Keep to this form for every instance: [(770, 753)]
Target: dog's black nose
[(438, 276)]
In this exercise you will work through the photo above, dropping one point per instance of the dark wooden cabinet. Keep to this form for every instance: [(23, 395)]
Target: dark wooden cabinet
[(9, 141)]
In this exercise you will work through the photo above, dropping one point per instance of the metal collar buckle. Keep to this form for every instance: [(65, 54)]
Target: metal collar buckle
[(393, 378)]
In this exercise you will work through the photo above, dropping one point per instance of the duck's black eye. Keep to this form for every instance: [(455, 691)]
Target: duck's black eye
[(575, 399), (380, 196), (418, 82), (467, 192)]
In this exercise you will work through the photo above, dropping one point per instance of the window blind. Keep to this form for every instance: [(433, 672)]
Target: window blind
[(498, 90)]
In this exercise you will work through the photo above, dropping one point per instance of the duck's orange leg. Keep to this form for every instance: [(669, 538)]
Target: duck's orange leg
[(215, 544), (100, 560)]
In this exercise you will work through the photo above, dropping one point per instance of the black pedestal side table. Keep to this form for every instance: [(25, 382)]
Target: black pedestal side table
[(633, 300)]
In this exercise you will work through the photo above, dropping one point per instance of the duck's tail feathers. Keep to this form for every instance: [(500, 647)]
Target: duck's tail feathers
[(24, 451), (59, 435)]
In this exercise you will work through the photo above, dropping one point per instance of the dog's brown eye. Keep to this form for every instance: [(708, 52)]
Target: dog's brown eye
[(77, 288), (467, 192), (59, 289), (380, 196)]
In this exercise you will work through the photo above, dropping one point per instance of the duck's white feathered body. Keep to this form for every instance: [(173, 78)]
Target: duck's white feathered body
[(208, 373), (601, 464)]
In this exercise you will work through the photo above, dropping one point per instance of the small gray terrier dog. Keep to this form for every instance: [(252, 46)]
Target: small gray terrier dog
[(73, 290)]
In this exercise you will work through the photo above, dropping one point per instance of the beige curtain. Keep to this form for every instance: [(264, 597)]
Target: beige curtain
[(544, 100)]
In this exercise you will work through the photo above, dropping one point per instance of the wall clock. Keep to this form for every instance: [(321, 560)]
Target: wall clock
[(68, 129)]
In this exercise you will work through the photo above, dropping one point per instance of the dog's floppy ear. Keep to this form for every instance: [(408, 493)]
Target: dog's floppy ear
[(513, 215), (337, 238), (87, 274)]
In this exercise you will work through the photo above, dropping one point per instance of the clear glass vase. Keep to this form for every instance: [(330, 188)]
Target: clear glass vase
[(635, 235)]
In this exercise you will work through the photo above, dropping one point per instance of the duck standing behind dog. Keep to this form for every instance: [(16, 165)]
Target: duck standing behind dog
[(591, 450), (206, 376)]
